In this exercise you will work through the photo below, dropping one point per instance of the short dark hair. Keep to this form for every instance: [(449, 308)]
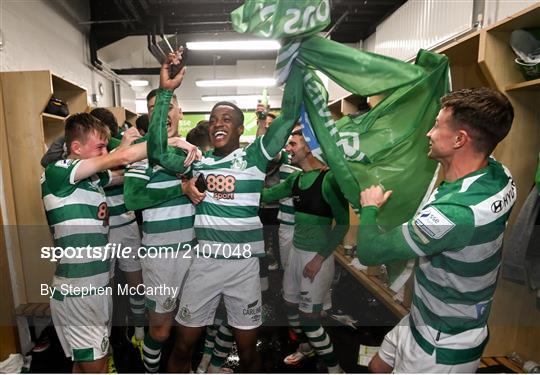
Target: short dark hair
[(80, 125), (199, 135), (485, 113), (237, 110), (142, 122), (204, 124), (107, 118), (153, 93), (272, 115)]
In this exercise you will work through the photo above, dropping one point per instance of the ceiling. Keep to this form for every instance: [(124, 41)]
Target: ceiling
[(113, 20)]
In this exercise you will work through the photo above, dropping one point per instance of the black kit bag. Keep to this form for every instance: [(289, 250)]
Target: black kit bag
[(57, 107)]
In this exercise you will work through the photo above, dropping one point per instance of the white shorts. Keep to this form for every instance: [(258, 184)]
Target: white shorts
[(401, 351), (165, 275), (127, 236), (236, 280), (311, 296), (286, 233), (83, 326)]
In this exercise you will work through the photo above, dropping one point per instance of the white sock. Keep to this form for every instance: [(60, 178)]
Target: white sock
[(205, 361), (139, 333)]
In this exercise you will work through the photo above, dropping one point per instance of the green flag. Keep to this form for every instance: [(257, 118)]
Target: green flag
[(385, 146), (279, 19)]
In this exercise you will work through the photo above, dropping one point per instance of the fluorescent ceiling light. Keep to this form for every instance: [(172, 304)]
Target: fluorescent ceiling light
[(139, 83), (140, 106), (245, 82), (238, 45), (219, 98)]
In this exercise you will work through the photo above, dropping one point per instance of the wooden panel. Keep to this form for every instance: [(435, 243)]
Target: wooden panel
[(29, 94), (28, 131), (463, 52), (131, 117), (73, 95), (119, 113), (511, 365), (53, 127), (533, 85), (350, 236), (519, 150), (514, 323), (7, 207), (8, 328), (496, 58), (373, 284)]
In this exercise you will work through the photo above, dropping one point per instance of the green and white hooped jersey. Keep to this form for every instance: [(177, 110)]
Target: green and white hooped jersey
[(458, 236), (119, 215), (168, 224), (227, 222), (78, 216), (286, 205)]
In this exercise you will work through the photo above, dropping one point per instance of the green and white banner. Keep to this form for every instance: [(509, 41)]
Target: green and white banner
[(386, 145)]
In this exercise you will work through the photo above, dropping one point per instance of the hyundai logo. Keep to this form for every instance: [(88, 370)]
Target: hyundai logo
[(497, 206)]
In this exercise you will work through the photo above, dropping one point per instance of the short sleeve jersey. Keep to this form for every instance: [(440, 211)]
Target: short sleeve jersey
[(78, 215), (227, 219), (458, 236)]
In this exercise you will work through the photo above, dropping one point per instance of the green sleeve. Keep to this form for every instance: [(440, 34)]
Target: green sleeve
[(137, 194), (423, 235), (277, 135), (158, 150), (60, 176), (279, 191), (340, 210), (113, 143)]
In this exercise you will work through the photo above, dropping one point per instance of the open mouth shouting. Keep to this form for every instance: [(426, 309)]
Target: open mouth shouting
[(219, 136)]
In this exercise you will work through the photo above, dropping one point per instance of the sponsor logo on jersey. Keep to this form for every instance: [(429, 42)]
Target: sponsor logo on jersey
[(64, 163), (252, 309), (103, 213), (433, 223), (508, 199), (222, 186)]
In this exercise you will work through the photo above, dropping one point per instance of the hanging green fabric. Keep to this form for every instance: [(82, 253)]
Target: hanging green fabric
[(385, 146)]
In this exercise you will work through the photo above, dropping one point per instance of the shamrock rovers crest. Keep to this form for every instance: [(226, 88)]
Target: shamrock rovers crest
[(168, 304), (239, 163), (185, 314), (105, 344)]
